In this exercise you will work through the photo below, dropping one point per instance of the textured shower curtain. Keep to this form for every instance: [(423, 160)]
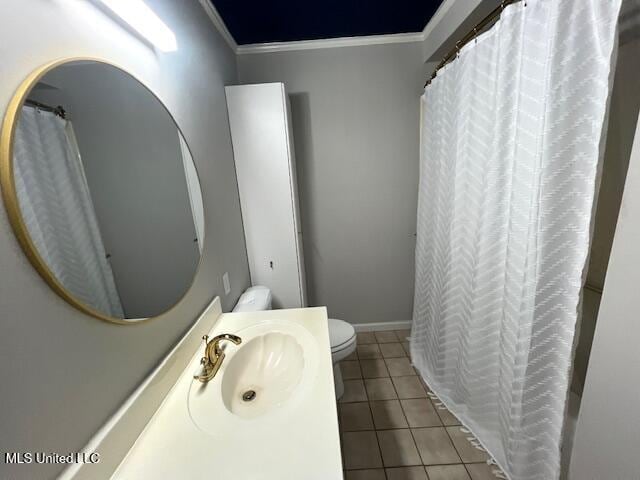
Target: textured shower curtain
[(56, 206), (510, 150)]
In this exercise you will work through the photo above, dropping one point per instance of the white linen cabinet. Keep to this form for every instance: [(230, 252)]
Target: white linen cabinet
[(260, 121)]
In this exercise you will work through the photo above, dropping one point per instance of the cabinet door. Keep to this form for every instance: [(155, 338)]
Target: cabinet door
[(296, 204), (259, 132)]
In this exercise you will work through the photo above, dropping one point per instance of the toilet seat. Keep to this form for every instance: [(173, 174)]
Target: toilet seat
[(342, 335), (342, 338)]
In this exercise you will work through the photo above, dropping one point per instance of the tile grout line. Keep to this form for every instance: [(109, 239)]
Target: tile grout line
[(384, 471), (376, 430), (467, 470), (454, 445), (401, 428), (366, 391), (428, 388)]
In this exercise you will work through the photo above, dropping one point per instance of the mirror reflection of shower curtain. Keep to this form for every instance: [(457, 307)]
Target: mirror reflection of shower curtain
[(193, 188), (511, 135), (56, 206)]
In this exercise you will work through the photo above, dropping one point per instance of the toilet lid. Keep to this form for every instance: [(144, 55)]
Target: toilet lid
[(341, 333)]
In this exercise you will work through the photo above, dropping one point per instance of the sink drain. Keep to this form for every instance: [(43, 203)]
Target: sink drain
[(249, 395)]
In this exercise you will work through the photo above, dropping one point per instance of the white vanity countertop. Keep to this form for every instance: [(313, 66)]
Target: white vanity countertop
[(297, 440)]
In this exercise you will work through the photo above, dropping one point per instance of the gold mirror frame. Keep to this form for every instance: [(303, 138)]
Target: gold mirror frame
[(10, 196)]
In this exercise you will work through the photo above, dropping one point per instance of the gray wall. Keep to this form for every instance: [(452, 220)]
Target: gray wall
[(623, 112), (625, 101), (62, 372), (355, 115), (606, 442), (132, 160)]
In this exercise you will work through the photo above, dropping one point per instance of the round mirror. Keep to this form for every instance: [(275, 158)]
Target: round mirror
[(101, 190)]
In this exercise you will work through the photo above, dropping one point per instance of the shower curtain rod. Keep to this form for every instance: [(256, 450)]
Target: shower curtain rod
[(59, 111), (477, 30)]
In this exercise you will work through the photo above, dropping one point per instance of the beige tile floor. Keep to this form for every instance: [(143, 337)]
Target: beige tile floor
[(389, 428)]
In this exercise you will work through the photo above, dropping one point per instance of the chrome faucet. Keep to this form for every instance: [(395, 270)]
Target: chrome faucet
[(213, 355)]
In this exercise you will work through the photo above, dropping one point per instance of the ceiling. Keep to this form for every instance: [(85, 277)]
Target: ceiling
[(292, 20)]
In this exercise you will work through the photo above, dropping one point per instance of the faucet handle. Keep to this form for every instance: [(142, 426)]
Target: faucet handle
[(205, 360)]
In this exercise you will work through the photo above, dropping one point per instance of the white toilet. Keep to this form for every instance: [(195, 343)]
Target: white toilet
[(342, 336)]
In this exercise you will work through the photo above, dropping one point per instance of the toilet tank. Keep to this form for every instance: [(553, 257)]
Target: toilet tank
[(254, 299)]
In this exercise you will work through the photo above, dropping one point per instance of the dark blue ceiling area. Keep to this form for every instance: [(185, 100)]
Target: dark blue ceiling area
[(291, 20)]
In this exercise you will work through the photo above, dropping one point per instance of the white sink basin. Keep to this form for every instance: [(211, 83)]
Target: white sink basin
[(288, 431), (263, 379), (262, 375)]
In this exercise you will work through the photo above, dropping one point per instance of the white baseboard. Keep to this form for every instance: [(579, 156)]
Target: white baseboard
[(379, 326)]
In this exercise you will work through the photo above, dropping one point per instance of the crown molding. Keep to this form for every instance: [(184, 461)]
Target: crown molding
[(217, 21), (329, 43), (436, 18), (271, 47)]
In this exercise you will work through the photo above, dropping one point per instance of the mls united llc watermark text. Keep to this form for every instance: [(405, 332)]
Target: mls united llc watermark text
[(48, 457)]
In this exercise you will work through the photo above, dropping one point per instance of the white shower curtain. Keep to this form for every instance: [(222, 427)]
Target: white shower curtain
[(511, 134), (56, 206)]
